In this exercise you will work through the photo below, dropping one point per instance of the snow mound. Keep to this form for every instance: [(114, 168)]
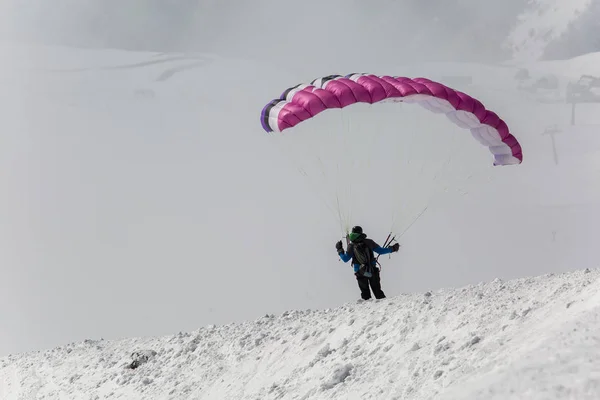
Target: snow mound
[(534, 338)]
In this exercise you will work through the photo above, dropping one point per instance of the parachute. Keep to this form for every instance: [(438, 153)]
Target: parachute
[(338, 151)]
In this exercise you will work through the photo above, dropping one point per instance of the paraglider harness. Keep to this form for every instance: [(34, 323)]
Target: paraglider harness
[(363, 255)]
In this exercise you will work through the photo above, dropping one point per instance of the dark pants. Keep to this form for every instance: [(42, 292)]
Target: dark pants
[(374, 282)]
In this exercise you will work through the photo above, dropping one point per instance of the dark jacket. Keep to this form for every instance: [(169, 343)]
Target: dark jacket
[(371, 244)]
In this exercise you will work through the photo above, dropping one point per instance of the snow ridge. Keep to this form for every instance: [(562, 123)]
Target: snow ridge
[(533, 337)]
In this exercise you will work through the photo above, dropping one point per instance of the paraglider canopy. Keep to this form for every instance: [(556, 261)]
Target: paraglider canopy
[(305, 101), (338, 158)]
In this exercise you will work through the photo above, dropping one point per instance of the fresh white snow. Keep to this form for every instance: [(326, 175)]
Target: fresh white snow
[(529, 338)]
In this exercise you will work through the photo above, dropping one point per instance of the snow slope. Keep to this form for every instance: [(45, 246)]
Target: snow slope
[(588, 64), (534, 338)]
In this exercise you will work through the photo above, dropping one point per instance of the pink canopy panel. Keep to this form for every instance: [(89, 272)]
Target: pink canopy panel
[(305, 101)]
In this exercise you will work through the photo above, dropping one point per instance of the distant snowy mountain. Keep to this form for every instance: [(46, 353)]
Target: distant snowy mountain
[(276, 30), (533, 338), (582, 35), (542, 24)]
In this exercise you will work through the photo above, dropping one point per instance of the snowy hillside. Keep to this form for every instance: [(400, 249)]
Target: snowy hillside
[(573, 69), (533, 338), (541, 23)]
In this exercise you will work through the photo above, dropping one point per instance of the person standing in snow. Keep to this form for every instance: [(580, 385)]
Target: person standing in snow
[(361, 252)]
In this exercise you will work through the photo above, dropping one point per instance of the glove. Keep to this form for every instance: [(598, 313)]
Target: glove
[(339, 247), (395, 247)]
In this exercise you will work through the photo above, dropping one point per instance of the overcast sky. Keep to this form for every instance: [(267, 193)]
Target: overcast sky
[(137, 206)]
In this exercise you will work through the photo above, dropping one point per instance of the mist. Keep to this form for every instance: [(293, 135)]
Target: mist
[(332, 31), (143, 201)]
